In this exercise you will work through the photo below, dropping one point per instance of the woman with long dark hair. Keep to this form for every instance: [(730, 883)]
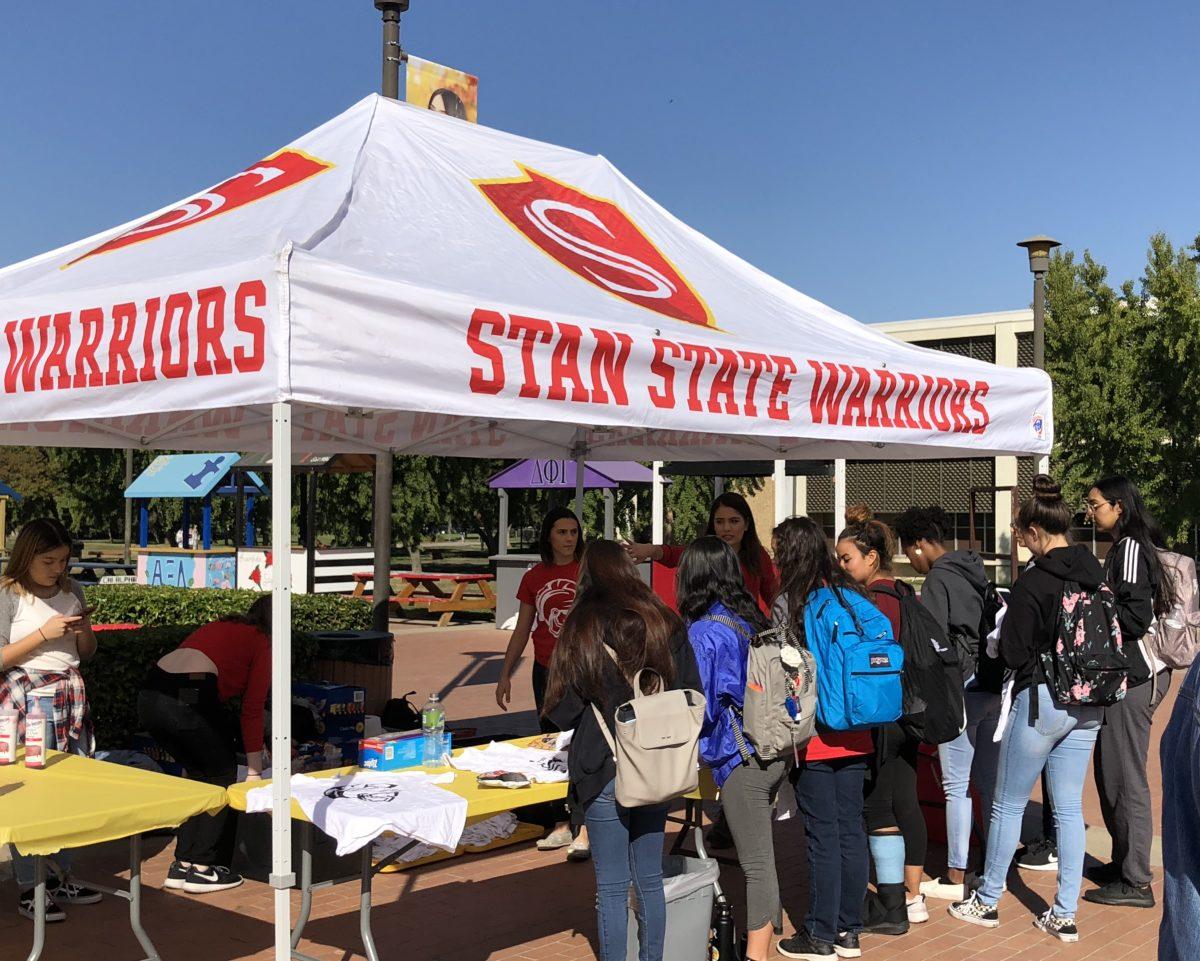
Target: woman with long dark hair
[(832, 771), (1040, 733), (1144, 592), (616, 628), (183, 704), (731, 520), (546, 593), (953, 592), (897, 835), (722, 619), (44, 635)]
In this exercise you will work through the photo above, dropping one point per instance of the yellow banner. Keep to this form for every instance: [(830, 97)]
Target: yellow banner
[(443, 89)]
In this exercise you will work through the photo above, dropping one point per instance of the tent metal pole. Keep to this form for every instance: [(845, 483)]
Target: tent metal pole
[(282, 878), (839, 494), (128, 506), (656, 505), (579, 451), (609, 515), (381, 586), (782, 501)]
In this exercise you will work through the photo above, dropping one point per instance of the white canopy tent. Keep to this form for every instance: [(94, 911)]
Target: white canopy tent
[(400, 281)]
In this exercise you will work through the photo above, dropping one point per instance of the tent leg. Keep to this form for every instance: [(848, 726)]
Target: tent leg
[(839, 494), (782, 501), (609, 515), (282, 879), (656, 505), (580, 454), (381, 585)]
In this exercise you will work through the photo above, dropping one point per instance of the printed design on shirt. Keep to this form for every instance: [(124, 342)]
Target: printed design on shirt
[(553, 603), (374, 792)]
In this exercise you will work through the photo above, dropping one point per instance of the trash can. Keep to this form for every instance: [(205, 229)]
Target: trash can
[(688, 886), (361, 658)]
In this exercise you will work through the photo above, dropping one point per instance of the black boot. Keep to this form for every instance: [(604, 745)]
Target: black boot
[(886, 911)]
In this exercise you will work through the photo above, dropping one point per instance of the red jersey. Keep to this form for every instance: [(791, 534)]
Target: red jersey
[(550, 590), (888, 605), (242, 655), (762, 586)]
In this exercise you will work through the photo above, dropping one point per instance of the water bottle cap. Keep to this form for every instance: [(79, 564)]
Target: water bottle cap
[(434, 697)]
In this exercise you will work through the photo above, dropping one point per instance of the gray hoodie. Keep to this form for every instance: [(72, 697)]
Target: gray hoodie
[(953, 594)]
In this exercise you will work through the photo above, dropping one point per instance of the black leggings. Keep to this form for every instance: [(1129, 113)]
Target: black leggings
[(891, 800), (183, 713)]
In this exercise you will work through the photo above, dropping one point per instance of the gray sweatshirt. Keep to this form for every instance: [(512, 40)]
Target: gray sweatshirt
[(953, 594)]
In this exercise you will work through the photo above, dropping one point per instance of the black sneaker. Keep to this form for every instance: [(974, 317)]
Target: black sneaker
[(975, 911), (846, 945), (804, 946), (176, 876), (1062, 928), (202, 880), (26, 903), (1041, 855), (1121, 895), (65, 889)]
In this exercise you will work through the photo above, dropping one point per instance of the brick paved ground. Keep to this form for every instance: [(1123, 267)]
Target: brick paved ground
[(520, 903)]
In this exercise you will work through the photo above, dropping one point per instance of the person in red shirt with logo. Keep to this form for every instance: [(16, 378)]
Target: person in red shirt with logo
[(547, 593), (731, 520), (183, 707)]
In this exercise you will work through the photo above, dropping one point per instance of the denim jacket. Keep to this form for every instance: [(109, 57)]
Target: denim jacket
[(721, 656)]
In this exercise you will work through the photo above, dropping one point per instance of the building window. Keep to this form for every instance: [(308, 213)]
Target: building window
[(977, 348)]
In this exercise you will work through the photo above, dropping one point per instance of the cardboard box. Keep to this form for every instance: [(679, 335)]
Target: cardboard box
[(341, 708), (390, 752)]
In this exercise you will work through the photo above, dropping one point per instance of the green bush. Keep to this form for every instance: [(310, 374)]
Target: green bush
[(114, 676), (169, 606)]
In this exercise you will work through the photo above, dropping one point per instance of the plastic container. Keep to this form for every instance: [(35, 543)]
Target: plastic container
[(433, 732), (35, 737), (688, 886), (8, 736)]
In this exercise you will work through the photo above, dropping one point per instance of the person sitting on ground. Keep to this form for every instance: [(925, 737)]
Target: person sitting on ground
[(45, 633), (182, 705)]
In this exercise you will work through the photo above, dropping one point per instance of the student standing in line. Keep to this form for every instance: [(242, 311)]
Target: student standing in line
[(44, 635), (546, 593), (1143, 591), (953, 593), (183, 705), (722, 619), (831, 773), (896, 828), (1179, 933), (1040, 732), (616, 610), (731, 520)]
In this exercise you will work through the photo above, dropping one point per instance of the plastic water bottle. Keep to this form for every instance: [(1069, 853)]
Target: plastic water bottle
[(8, 736), (433, 729), (35, 736)]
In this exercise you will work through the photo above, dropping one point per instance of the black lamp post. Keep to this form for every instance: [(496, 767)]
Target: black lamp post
[(1039, 249)]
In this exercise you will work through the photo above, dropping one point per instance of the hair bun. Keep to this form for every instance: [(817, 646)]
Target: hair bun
[(1046, 489), (859, 515)]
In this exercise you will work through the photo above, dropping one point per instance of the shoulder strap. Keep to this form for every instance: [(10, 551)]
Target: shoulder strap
[(729, 622), (604, 731), (886, 591)]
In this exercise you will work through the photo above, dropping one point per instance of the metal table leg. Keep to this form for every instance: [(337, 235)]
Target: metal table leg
[(39, 908), (364, 907), (306, 845), (135, 899)]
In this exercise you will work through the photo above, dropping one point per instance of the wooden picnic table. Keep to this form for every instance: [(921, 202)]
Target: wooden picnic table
[(462, 592)]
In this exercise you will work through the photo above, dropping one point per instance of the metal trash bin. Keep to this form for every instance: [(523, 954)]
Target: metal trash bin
[(360, 658), (688, 886)]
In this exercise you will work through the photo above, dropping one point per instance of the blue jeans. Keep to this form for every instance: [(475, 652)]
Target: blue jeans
[(23, 867), (1179, 934), (969, 759), (1061, 741), (830, 797), (627, 846)]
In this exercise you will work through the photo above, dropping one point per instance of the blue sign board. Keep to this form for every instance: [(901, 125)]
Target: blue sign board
[(182, 475)]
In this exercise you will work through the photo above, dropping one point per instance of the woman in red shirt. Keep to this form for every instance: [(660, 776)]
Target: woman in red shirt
[(183, 706), (731, 520), (832, 770), (547, 593)]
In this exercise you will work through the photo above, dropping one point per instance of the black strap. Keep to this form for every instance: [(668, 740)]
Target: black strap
[(729, 622)]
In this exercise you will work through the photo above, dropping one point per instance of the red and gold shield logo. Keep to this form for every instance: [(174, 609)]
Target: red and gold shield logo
[(277, 172), (595, 239)]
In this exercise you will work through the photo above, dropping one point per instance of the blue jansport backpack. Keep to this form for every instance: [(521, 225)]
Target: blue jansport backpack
[(858, 660)]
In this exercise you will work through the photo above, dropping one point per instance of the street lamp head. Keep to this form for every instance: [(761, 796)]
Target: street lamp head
[(1039, 248), (397, 6)]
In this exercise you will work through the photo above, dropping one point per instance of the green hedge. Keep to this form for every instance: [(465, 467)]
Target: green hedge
[(114, 676), (167, 606)]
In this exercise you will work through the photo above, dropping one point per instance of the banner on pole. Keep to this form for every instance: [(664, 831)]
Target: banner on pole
[(442, 89)]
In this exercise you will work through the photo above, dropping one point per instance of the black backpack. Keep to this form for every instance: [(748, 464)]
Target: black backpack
[(934, 710), (989, 671), (1088, 663)]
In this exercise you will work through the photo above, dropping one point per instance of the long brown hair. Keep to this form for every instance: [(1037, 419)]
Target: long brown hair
[(806, 563), (869, 534), (258, 615), (751, 551), (36, 537), (614, 607)]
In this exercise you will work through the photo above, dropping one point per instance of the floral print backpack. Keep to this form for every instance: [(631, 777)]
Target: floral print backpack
[(1087, 664)]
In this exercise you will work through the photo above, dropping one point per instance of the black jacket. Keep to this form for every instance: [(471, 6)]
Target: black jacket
[(590, 764), (1031, 621), (1128, 574)]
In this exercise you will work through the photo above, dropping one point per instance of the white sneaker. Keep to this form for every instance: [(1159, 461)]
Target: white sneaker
[(943, 889), (918, 913)]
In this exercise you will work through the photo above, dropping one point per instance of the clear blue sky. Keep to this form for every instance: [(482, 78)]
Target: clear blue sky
[(883, 157)]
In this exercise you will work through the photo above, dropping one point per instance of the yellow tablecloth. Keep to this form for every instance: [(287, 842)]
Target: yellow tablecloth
[(75, 801), (481, 802)]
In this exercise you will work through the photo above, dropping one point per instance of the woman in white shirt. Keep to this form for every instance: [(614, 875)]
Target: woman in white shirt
[(44, 633)]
